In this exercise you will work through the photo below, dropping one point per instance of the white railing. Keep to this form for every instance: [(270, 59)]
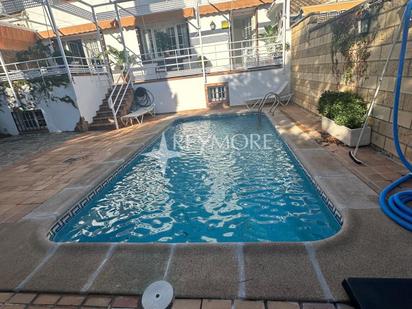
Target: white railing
[(120, 88), (32, 69), (218, 57)]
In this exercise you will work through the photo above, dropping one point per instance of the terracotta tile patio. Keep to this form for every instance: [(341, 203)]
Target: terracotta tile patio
[(38, 175)]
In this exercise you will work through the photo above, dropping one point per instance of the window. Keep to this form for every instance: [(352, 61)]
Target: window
[(29, 121), (92, 48), (182, 36), (171, 38), (147, 41), (217, 94), (156, 41), (76, 48)]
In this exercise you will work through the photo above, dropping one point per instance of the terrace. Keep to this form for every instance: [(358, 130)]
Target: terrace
[(234, 191)]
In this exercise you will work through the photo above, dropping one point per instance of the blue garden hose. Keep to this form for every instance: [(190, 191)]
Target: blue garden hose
[(395, 205)]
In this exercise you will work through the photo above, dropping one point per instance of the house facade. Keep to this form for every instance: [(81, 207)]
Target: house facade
[(156, 32), (187, 53)]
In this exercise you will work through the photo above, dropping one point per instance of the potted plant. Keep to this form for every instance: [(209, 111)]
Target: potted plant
[(343, 114), (119, 57)]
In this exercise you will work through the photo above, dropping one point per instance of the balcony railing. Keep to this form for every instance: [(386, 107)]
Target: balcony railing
[(32, 69), (218, 57)]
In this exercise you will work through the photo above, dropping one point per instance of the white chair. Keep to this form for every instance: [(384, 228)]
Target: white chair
[(138, 115)]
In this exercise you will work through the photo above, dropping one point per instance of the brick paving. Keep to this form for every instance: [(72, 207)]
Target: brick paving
[(36, 174), (61, 301), (16, 148)]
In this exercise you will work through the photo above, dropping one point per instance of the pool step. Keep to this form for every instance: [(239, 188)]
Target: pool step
[(104, 116)]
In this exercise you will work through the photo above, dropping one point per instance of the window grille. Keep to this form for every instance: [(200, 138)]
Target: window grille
[(217, 94), (30, 121)]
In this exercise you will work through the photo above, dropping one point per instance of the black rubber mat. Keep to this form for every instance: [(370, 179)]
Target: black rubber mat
[(376, 293)]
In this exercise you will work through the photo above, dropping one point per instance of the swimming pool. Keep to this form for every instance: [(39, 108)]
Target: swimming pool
[(227, 178)]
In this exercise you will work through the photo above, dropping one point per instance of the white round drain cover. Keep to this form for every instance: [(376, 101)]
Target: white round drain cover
[(158, 295)]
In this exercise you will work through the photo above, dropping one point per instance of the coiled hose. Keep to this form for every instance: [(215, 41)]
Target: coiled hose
[(143, 97), (395, 205)]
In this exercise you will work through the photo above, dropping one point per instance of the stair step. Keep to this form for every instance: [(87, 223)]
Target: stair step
[(103, 119), (127, 96), (104, 116), (104, 113), (95, 126)]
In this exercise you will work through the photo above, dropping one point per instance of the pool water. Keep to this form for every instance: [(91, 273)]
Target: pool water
[(208, 179)]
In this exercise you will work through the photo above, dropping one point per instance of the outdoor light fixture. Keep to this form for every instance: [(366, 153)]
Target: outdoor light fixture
[(212, 26), (364, 23)]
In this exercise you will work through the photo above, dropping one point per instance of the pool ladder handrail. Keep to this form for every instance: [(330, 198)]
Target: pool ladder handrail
[(260, 102), (278, 101)]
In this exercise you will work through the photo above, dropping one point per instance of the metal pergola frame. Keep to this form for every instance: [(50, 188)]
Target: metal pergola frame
[(82, 13), (93, 16)]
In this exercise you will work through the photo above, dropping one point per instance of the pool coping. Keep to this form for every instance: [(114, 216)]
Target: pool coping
[(307, 257), (105, 174)]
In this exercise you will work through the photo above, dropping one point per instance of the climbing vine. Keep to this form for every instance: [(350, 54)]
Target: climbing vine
[(35, 91), (353, 44)]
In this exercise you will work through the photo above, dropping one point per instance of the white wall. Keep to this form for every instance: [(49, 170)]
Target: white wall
[(90, 92), (60, 116), (189, 93), (251, 85), (7, 125), (132, 43), (211, 38), (87, 92), (177, 94), (112, 38)]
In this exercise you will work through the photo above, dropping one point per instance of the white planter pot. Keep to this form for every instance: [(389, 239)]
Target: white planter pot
[(347, 136)]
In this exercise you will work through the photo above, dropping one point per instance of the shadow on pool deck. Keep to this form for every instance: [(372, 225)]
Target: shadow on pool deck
[(369, 244)]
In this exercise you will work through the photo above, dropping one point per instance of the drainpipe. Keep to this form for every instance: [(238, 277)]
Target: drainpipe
[(59, 41), (199, 30), (3, 64), (284, 15), (126, 55)]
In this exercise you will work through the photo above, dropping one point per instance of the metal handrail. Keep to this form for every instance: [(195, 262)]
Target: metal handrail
[(124, 94), (183, 61), (169, 51), (49, 66), (50, 59), (189, 55), (260, 103), (227, 59), (269, 95), (279, 101), (115, 104)]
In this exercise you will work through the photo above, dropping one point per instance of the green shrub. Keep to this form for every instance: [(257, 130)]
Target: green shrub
[(345, 108)]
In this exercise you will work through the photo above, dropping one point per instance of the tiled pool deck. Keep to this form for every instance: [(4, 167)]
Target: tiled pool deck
[(42, 186)]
